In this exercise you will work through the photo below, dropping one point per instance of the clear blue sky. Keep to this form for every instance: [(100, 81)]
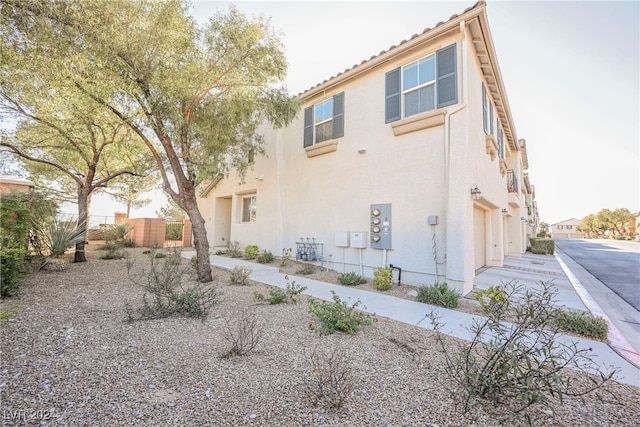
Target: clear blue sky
[(571, 71)]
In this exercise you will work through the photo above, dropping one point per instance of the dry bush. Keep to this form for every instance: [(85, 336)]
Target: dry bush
[(330, 381), (244, 333)]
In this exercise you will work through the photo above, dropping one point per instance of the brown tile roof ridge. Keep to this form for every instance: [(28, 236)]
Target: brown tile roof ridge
[(480, 3)]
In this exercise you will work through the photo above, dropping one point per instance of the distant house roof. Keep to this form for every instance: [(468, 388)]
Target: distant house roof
[(11, 179), (568, 221)]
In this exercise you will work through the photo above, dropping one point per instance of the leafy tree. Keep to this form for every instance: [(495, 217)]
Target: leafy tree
[(68, 147), (615, 220), (544, 228), (171, 212), (193, 94), (129, 190), (591, 225)]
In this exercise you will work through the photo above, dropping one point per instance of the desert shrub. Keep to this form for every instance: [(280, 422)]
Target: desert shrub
[(583, 323), (251, 251), (339, 316), (265, 257), (127, 242), (509, 367), (244, 333), (159, 255), (542, 246), (277, 296), (491, 298), (286, 255), (164, 292), (146, 252), (240, 274), (114, 252), (306, 270), (351, 279), (383, 278), (233, 249), (116, 233), (439, 294), (330, 378)]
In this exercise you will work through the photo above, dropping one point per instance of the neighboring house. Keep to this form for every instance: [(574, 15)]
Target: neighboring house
[(410, 158), (10, 182), (567, 229)]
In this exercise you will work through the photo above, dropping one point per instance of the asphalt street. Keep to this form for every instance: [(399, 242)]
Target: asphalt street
[(615, 263)]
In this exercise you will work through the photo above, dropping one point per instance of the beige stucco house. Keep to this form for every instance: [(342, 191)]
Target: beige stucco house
[(567, 229), (410, 158)]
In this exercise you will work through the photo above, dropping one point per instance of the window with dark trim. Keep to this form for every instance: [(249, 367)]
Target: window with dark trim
[(324, 120), (423, 85)]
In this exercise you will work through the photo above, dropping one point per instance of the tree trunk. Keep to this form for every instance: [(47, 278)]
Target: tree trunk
[(200, 241), (84, 199)]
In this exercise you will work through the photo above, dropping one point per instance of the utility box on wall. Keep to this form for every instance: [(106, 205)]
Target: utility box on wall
[(381, 226), (341, 239), (358, 239)]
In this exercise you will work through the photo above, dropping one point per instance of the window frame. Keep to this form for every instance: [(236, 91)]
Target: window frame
[(418, 86), (253, 201), (445, 88), (337, 117)]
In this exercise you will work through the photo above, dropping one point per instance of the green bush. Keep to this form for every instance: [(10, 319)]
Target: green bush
[(251, 252), (11, 260), (383, 278), (277, 295), (16, 219), (542, 246), (339, 316), (509, 367), (351, 279), (491, 298), (439, 294), (265, 257), (582, 323), (306, 270)]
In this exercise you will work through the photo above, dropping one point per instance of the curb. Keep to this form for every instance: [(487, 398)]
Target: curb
[(615, 339)]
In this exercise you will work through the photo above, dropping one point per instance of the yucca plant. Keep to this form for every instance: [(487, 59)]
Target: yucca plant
[(55, 234)]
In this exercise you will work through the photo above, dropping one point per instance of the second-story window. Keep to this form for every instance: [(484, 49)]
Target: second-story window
[(423, 85), (419, 86), (324, 120)]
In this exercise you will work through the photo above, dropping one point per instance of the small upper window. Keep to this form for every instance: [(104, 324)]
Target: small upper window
[(324, 120)]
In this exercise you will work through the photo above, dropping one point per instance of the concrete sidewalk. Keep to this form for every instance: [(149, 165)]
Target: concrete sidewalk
[(529, 270)]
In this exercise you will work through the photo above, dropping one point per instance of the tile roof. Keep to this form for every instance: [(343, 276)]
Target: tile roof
[(426, 30)]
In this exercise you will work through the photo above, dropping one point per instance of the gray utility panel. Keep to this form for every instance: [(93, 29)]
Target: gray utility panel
[(381, 226)]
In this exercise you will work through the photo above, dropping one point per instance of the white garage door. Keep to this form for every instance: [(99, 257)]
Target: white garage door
[(479, 238)]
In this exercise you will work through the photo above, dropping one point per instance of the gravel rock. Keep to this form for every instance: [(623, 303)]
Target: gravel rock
[(70, 358)]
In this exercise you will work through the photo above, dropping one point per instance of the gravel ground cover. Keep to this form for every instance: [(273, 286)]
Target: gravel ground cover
[(70, 358)]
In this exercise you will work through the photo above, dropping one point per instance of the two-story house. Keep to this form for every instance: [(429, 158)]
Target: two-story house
[(567, 229), (409, 158)]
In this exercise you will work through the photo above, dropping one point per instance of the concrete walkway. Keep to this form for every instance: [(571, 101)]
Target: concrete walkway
[(528, 270)]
